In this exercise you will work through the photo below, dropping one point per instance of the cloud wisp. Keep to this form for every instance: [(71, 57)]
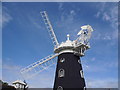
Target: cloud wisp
[(109, 13), (10, 72), (6, 17), (104, 83), (98, 81)]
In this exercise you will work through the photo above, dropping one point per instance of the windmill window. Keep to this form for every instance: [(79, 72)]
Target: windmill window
[(62, 60), (61, 73), (81, 73), (59, 88)]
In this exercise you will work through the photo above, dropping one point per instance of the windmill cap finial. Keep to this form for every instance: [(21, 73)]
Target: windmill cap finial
[(68, 37)]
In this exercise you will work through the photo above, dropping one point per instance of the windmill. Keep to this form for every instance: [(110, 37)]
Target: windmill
[(69, 73)]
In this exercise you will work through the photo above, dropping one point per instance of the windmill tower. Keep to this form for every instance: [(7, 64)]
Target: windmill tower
[(69, 73)]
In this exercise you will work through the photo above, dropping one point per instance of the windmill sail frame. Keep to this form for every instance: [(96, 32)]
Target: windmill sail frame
[(38, 66)]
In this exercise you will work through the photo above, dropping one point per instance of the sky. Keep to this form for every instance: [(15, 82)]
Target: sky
[(26, 40)]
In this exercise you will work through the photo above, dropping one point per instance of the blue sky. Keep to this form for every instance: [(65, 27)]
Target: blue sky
[(25, 39)]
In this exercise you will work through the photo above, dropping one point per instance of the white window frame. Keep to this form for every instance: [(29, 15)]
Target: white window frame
[(63, 73), (62, 60), (59, 88), (81, 73)]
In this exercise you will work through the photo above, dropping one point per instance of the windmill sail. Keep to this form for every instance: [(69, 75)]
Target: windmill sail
[(38, 66), (49, 27)]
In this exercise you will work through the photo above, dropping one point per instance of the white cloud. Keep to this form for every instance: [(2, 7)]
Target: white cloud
[(10, 67), (60, 6), (106, 66), (102, 68), (67, 17), (10, 72), (6, 17), (106, 17), (98, 14), (66, 20), (107, 37), (102, 83), (72, 12), (45, 80), (35, 22), (97, 73), (109, 14), (103, 36)]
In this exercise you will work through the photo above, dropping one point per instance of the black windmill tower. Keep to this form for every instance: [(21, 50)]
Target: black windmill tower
[(69, 72)]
